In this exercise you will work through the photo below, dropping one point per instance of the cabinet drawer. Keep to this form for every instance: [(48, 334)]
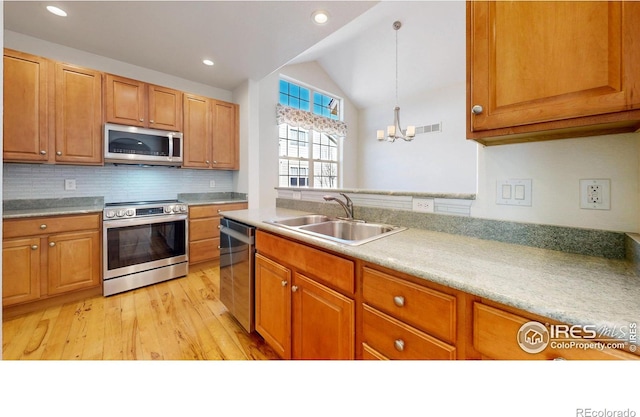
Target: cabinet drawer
[(204, 250), (48, 225), (495, 335), (325, 267), (396, 340), (211, 210), (204, 229), (431, 311), (370, 354)]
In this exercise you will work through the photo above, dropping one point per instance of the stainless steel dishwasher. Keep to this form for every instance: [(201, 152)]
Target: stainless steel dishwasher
[(237, 249)]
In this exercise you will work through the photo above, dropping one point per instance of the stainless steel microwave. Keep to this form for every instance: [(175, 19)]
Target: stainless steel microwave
[(136, 145)]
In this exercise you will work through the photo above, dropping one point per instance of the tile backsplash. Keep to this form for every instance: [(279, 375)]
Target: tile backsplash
[(115, 183)]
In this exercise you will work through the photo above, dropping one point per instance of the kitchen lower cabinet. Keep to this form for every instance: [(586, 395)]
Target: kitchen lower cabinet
[(499, 332), (204, 232), (403, 320), (305, 307), (50, 256)]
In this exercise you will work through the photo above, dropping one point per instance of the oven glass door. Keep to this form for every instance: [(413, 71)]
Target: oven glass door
[(138, 245)]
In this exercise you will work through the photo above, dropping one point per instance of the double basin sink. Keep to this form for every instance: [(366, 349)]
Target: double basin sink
[(350, 232)]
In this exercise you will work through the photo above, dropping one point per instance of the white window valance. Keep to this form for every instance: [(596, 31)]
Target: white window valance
[(307, 120)]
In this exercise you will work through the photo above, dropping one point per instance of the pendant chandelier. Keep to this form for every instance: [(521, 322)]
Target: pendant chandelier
[(395, 131)]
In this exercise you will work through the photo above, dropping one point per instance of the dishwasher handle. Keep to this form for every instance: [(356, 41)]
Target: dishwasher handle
[(250, 240)]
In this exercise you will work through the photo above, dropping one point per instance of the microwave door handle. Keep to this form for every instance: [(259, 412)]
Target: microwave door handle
[(170, 146)]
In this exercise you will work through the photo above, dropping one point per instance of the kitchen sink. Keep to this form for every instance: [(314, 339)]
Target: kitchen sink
[(302, 220), (350, 232)]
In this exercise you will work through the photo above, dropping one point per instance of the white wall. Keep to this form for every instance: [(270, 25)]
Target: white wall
[(556, 168), (434, 162), (35, 46)]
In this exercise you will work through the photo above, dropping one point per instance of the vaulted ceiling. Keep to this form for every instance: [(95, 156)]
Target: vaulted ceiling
[(251, 39)]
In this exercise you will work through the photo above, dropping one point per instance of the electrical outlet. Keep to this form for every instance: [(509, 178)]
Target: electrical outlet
[(69, 185), (212, 183), (424, 205), (595, 194)]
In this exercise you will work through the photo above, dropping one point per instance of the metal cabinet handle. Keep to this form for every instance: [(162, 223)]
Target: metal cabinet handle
[(559, 358), (477, 109), (215, 162), (34, 247), (219, 210), (284, 283), (399, 345), (151, 121), (219, 247), (43, 152), (398, 300), (59, 153), (52, 244), (43, 226), (294, 288), (207, 162), (142, 120)]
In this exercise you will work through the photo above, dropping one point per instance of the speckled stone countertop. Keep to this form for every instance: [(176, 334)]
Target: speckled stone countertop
[(13, 209), (195, 199), (571, 288)]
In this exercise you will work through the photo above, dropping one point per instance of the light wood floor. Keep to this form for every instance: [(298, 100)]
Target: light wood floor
[(178, 319)]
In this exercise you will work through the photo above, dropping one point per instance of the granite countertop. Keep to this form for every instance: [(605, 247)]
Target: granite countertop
[(14, 209), (571, 288), (195, 199)]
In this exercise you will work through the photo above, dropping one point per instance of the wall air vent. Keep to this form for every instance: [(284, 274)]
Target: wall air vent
[(429, 128)]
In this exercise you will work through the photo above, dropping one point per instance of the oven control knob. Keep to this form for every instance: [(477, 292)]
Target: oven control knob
[(130, 212), (109, 214), (168, 209), (121, 213), (183, 208)]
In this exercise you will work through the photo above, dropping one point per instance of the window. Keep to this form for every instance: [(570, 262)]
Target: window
[(309, 132)]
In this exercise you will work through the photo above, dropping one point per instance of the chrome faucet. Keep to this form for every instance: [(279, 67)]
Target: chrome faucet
[(348, 206)]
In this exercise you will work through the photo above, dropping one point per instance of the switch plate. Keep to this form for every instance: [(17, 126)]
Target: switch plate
[(515, 192), (423, 205), (69, 185), (595, 194)]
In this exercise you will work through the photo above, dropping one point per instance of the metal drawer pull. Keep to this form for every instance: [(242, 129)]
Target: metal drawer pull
[(219, 247), (294, 288), (477, 109), (34, 247), (284, 283), (43, 152), (52, 244), (59, 153), (398, 300), (43, 226), (399, 345)]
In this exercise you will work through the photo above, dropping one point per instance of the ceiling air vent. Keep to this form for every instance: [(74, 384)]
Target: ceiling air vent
[(429, 128)]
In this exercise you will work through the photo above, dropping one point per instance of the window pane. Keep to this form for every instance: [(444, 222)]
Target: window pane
[(284, 87), (304, 94), (284, 99), (294, 90), (294, 102)]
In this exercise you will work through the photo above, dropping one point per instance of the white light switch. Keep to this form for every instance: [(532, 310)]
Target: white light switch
[(515, 192)]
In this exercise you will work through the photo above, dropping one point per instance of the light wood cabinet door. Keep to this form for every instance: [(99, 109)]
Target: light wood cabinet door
[(125, 101), (78, 114), (323, 321), (26, 107), (273, 304), (20, 270), (73, 261), (165, 108), (557, 62), (197, 132), (225, 136)]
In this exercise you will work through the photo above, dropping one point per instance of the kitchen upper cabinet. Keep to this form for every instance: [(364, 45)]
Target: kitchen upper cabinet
[(548, 70), (26, 125), (78, 115), (211, 133), (135, 103), (53, 111)]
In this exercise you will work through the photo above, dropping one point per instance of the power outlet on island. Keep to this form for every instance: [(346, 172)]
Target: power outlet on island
[(423, 205), (595, 194)]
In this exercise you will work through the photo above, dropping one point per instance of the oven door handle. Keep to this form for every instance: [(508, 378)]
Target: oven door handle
[(114, 224)]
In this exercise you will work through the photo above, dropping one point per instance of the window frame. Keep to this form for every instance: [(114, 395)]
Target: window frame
[(309, 159)]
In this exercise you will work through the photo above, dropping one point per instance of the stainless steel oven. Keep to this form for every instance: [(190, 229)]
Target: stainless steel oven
[(144, 243)]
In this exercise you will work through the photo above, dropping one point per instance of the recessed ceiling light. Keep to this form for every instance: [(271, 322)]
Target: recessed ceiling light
[(320, 17), (207, 62), (57, 11)]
